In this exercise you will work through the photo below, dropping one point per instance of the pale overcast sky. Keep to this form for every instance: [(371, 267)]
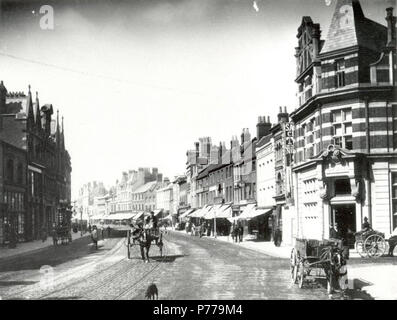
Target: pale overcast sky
[(152, 76)]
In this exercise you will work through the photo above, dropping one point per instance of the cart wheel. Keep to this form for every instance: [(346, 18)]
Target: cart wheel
[(359, 246), (294, 266), (375, 246), (330, 288), (301, 275)]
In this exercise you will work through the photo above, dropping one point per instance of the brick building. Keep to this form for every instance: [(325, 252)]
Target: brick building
[(345, 126), (31, 127), (13, 165)]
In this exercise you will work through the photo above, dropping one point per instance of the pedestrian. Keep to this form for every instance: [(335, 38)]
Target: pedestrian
[(54, 235), (108, 230), (392, 242), (89, 228), (102, 232), (94, 236), (366, 226), (240, 233), (43, 233)]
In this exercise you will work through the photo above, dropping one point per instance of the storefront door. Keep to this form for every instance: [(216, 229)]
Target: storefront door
[(344, 217)]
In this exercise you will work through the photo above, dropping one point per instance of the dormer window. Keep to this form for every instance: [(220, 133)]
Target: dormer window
[(340, 73)]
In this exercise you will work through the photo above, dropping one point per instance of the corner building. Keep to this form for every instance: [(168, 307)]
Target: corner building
[(345, 164)]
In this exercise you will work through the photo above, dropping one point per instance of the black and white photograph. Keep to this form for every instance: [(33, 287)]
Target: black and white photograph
[(205, 150)]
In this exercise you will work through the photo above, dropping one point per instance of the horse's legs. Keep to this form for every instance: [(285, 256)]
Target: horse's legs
[(147, 251), (142, 252)]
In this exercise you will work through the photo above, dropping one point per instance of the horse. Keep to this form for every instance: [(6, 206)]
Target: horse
[(335, 268), (145, 241)]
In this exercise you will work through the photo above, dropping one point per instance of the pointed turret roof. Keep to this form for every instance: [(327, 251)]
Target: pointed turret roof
[(58, 132), (62, 136), (38, 115), (29, 108), (349, 27)]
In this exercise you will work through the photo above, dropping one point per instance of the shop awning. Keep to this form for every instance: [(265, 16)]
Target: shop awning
[(185, 214), (226, 213), (157, 211), (258, 212), (169, 217), (211, 213), (119, 216), (247, 212), (138, 215), (201, 212), (219, 212)]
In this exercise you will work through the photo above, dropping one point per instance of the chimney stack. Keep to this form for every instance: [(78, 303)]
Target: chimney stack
[(283, 117), (263, 127), (316, 34), (391, 28)]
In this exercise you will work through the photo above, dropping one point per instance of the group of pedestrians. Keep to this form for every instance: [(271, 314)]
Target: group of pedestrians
[(237, 232), (205, 229)]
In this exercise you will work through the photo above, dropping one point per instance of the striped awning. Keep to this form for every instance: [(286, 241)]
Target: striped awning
[(119, 216), (138, 215), (247, 212), (185, 214)]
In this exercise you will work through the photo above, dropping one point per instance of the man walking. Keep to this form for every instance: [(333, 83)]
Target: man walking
[(94, 236)]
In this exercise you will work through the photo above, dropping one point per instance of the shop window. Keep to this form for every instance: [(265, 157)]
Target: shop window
[(342, 187)]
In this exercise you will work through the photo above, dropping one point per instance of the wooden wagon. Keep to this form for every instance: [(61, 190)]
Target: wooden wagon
[(318, 259)]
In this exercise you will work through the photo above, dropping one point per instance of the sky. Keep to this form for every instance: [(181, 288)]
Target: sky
[(139, 81)]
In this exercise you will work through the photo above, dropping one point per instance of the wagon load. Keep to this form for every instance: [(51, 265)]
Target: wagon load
[(311, 258)]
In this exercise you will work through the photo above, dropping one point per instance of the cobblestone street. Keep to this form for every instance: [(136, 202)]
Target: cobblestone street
[(191, 268)]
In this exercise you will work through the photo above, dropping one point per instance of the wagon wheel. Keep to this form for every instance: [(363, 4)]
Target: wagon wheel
[(375, 245), (294, 266), (359, 245), (301, 274)]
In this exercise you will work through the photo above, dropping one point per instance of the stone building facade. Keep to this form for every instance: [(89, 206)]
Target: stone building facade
[(345, 165), (30, 126)]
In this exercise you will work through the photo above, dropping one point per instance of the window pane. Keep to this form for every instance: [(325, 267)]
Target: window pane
[(347, 115), (338, 130), (349, 143), (348, 129), (337, 116)]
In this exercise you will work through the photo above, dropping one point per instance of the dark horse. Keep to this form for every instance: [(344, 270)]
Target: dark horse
[(147, 236), (335, 268)]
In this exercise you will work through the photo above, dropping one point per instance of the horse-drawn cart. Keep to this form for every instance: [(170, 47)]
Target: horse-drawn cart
[(370, 244), (310, 257), (63, 234), (144, 238)]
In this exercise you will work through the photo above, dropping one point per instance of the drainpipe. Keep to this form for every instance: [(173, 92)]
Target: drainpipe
[(369, 200), (320, 106)]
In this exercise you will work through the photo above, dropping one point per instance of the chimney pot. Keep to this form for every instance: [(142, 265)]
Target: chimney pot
[(281, 109)]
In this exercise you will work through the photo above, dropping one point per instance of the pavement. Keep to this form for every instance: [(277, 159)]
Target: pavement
[(27, 247), (373, 278)]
